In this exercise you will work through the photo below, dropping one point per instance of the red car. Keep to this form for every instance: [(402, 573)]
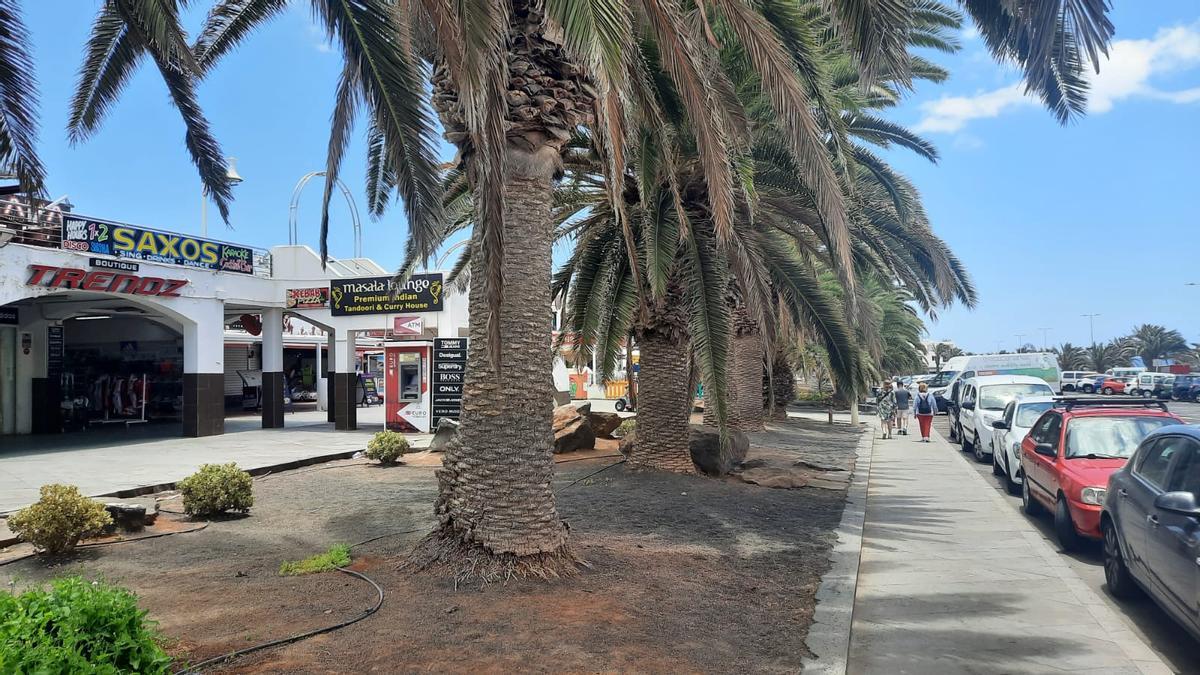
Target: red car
[(1111, 385), (1070, 452)]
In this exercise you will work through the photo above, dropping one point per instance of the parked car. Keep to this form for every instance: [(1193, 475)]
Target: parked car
[(983, 403), (1088, 383), (1016, 421), (1147, 382), (1072, 450), (1036, 364), (1186, 387), (1151, 524), (1110, 385), (1068, 380)]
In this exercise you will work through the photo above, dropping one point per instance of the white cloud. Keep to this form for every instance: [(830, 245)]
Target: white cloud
[(1126, 74), (970, 33)]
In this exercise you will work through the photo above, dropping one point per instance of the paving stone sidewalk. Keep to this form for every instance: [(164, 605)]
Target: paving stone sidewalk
[(952, 580)]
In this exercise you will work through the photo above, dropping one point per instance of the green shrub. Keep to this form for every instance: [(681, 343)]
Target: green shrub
[(59, 519), (78, 627), (627, 425), (387, 447), (337, 556), (217, 488)]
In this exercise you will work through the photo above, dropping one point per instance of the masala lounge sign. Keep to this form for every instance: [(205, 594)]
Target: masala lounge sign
[(136, 243), (379, 295)]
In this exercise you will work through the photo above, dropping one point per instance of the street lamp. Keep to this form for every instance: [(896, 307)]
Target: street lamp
[(232, 177), (1091, 325), (1044, 339)]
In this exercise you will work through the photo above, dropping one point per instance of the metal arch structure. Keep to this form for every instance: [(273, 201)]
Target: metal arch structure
[(294, 208)]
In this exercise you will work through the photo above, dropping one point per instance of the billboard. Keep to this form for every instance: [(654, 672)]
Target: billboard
[(379, 295), (88, 235)]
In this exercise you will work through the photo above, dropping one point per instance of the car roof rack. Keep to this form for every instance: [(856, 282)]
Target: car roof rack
[(1069, 402)]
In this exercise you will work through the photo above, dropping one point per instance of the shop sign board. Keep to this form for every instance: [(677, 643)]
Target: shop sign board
[(9, 316), (307, 298), (109, 264), (408, 325), (449, 373), (100, 280), (379, 295), (55, 347), (139, 243)]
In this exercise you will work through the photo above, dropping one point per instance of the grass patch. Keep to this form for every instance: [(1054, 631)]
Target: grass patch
[(337, 556)]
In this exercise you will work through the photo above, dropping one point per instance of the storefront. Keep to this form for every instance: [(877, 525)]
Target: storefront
[(108, 324)]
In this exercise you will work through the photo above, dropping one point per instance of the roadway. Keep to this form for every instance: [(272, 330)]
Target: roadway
[(1156, 628)]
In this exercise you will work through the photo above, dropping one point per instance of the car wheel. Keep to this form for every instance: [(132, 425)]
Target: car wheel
[(996, 469), (1028, 503), (620, 405), (1135, 392), (1108, 391), (1116, 574), (1009, 483), (953, 435), (1087, 388), (980, 455), (1068, 387), (967, 446), (1064, 527)]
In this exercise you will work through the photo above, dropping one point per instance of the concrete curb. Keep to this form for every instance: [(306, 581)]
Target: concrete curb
[(1143, 657), (829, 635)]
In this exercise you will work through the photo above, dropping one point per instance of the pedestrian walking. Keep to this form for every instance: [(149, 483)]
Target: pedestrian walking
[(903, 403), (886, 402), (925, 405)]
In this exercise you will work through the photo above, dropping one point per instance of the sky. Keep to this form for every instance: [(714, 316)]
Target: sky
[(1052, 221)]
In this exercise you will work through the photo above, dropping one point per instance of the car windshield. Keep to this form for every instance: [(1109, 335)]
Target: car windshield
[(1028, 413), (996, 396), (1110, 437), (942, 379)]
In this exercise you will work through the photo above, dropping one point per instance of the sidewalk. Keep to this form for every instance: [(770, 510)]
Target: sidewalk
[(953, 580)]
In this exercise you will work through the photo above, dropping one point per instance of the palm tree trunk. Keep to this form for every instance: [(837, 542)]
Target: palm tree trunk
[(665, 405), (745, 391)]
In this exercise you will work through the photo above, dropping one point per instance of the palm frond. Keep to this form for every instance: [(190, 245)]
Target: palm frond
[(112, 55), (228, 23), (18, 102)]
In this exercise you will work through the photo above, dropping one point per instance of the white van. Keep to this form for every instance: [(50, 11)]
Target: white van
[(1042, 365), (1149, 384), (1125, 372), (1069, 380)]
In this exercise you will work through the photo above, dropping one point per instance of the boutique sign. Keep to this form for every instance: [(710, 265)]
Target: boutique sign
[(137, 243), (379, 295)]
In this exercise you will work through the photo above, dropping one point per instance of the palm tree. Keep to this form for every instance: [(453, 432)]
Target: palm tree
[(1071, 357), (1153, 342), (1112, 354), (944, 351), (18, 102)]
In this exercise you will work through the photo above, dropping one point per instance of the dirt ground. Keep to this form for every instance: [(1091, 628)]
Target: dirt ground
[(687, 574)]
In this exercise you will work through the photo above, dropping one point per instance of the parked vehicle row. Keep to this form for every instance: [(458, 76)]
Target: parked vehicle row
[(1121, 470)]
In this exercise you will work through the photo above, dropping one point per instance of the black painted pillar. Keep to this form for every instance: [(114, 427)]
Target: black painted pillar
[(203, 404), (272, 400), (47, 411), (344, 404)]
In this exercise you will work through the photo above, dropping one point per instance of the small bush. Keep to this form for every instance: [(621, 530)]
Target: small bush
[(387, 447), (78, 627), (217, 488), (337, 556), (59, 519), (626, 426)]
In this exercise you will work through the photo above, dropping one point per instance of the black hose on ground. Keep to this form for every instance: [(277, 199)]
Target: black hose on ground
[(96, 544)]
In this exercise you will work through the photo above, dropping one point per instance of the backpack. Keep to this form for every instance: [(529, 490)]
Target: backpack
[(923, 405)]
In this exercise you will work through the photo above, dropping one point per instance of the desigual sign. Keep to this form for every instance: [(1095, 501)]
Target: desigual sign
[(103, 281), (378, 295), (136, 243)]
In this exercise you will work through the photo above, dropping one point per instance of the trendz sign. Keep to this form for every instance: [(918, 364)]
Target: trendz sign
[(107, 282), (125, 241), (378, 295)]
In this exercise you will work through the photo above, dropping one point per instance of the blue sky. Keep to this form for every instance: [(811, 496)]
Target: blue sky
[(1053, 222)]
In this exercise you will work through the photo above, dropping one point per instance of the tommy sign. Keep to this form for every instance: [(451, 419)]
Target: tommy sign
[(379, 295), (103, 281), (137, 243)]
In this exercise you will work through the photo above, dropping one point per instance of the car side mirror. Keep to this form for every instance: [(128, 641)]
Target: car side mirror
[(1045, 449), (1183, 503), (999, 424), (968, 405)]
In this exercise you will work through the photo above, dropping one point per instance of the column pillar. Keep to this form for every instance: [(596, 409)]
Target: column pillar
[(272, 368), (345, 383), (204, 370), (33, 407), (330, 389)]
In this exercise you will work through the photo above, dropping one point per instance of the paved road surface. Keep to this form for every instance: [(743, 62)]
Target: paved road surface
[(1165, 637)]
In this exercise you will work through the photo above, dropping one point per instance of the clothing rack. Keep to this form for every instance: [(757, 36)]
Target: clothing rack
[(141, 419)]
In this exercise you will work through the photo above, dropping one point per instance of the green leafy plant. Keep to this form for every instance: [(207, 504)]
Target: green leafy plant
[(626, 426), (387, 446), (57, 521), (217, 488), (78, 627), (337, 556)]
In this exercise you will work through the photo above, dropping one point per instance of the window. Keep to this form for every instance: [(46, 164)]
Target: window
[(1029, 412), (1110, 437), (1155, 460), (1053, 431), (968, 394), (1008, 413), (1185, 477), (1040, 432), (996, 396)]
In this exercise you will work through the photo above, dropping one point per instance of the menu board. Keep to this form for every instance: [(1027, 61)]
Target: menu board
[(449, 375)]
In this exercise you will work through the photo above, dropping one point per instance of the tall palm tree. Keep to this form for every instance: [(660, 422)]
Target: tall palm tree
[(1153, 342), (1071, 357), (18, 102), (944, 351), (1107, 355)]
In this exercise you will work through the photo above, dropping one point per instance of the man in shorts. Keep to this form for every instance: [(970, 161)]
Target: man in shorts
[(903, 407)]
